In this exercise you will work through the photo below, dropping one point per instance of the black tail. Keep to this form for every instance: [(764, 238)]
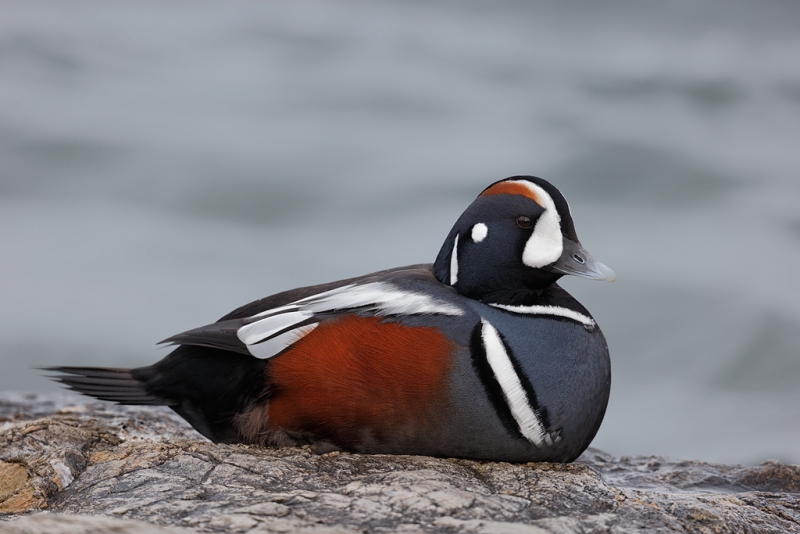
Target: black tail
[(106, 383), (207, 387)]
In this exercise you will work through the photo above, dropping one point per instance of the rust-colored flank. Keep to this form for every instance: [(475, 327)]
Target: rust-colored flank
[(358, 379), (513, 188)]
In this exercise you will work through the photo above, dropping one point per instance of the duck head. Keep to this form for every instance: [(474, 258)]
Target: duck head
[(517, 236)]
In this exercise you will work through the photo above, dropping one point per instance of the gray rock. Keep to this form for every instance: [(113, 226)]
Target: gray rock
[(45, 523), (108, 468)]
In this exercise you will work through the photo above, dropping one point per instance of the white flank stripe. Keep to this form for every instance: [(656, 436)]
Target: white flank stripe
[(271, 347), (454, 263), (517, 399), (549, 310), (255, 332)]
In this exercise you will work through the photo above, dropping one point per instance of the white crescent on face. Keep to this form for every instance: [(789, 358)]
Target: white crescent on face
[(545, 244)]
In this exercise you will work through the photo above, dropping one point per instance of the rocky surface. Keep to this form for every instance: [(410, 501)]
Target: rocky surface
[(96, 467)]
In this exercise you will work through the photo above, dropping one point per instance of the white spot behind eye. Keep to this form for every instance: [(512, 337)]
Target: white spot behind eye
[(479, 232)]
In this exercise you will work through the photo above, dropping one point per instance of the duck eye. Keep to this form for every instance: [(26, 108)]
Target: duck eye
[(524, 222)]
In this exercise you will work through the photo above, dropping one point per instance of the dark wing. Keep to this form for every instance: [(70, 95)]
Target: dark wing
[(276, 322)]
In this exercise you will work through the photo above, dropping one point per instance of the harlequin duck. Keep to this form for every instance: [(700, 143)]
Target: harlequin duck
[(480, 355)]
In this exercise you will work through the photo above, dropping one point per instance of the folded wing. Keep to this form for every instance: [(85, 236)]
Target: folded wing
[(270, 332)]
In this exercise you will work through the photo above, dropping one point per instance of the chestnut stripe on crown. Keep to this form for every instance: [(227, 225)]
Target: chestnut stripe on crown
[(513, 188)]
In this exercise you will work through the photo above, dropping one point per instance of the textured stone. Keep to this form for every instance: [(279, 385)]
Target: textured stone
[(98, 461), (44, 523)]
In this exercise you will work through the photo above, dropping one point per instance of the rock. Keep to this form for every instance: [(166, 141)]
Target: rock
[(97, 467), (45, 523)]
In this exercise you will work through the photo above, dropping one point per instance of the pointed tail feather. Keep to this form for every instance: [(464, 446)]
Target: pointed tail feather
[(108, 384), (208, 387)]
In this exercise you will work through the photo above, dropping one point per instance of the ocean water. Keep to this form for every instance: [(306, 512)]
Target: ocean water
[(164, 162)]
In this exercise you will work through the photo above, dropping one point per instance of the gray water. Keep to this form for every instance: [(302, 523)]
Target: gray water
[(164, 162)]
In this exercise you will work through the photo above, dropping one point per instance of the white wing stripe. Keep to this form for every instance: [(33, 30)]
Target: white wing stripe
[(254, 332), (271, 347), (263, 336), (549, 310), (516, 398)]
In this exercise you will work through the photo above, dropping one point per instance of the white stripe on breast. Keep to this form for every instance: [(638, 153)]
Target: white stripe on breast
[(558, 311), (529, 424)]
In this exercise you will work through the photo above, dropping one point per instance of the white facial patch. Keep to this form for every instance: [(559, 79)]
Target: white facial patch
[(529, 424), (479, 232), (545, 244), (454, 263)]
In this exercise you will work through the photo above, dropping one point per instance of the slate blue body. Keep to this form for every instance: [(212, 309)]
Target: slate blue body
[(567, 364), (570, 371), (529, 373)]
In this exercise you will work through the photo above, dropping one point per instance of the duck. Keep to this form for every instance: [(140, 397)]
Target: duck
[(480, 355)]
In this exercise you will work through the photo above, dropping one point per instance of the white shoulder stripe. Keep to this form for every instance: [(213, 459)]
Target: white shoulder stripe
[(382, 298), (454, 263), (529, 424), (558, 311)]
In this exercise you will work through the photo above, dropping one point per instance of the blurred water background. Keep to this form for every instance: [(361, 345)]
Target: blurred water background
[(164, 162)]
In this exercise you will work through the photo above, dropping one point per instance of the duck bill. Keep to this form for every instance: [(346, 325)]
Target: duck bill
[(576, 261)]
